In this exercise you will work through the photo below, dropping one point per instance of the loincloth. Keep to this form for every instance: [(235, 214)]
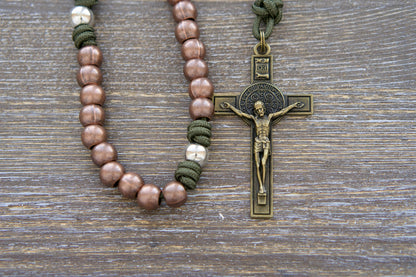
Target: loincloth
[(260, 144)]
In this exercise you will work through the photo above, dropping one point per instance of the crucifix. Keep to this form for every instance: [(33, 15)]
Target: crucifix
[(261, 105)]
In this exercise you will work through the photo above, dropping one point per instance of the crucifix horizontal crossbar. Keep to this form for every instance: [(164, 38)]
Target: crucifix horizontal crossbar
[(306, 99)]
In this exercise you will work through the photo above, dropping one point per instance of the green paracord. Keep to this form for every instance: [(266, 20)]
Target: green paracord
[(269, 12), (85, 3), (188, 173), (199, 131), (83, 35)]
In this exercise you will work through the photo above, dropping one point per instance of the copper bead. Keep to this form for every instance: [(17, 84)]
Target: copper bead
[(130, 184), (175, 194), (201, 88), (103, 153), (89, 75), (185, 30), (92, 94), (149, 197), (110, 173), (93, 135), (195, 68), (91, 114), (201, 108), (184, 10), (90, 55), (193, 49)]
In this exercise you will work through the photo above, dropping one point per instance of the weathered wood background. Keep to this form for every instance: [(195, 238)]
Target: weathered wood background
[(345, 178)]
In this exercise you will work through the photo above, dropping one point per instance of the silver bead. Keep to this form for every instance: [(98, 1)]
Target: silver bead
[(197, 153), (82, 15)]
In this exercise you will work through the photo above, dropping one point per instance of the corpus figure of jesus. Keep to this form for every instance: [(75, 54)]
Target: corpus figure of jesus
[(262, 124)]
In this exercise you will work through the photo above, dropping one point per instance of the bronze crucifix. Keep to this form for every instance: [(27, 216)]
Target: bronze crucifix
[(261, 105)]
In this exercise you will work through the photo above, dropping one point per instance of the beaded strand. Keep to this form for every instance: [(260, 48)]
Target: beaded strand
[(92, 115)]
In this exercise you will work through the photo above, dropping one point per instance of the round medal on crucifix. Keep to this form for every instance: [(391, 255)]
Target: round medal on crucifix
[(267, 93)]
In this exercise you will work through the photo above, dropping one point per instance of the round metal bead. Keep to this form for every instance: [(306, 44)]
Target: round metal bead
[(110, 173), (103, 153), (197, 153), (184, 10), (193, 49), (201, 88), (89, 75), (91, 114), (90, 55), (201, 108), (174, 194), (130, 184), (195, 68), (185, 30), (149, 197), (92, 94), (82, 15), (93, 135)]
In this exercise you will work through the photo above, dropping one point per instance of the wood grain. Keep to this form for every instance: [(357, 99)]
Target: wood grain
[(345, 177)]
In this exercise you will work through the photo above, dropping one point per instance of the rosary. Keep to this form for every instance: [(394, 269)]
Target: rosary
[(260, 105)]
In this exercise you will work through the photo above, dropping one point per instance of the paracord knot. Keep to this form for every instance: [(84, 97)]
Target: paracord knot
[(268, 11), (199, 131), (188, 174)]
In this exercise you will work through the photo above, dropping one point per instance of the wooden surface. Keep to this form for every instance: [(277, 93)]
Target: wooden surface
[(345, 180)]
